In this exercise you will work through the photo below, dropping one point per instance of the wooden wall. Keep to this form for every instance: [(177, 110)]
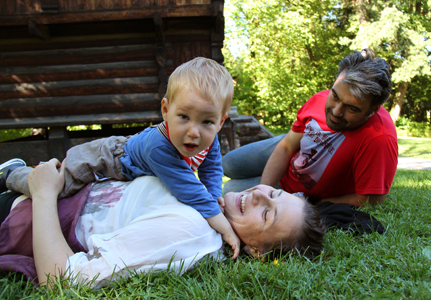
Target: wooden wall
[(28, 6), (94, 63), (94, 68)]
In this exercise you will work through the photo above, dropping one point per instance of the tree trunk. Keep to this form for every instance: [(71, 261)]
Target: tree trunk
[(399, 100)]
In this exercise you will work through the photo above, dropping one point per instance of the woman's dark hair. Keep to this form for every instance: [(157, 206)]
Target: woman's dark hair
[(307, 240)]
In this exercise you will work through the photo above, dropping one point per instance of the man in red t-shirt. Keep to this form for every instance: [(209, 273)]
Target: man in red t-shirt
[(343, 146)]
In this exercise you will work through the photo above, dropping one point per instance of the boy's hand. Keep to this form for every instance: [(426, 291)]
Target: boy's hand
[(220, 201), (222, 225), (233, 241)]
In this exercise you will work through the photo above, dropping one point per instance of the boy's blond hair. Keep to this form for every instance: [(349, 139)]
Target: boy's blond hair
[(206, 77)]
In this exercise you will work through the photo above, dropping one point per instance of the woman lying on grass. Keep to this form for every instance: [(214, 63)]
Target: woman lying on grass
[(112, 229)]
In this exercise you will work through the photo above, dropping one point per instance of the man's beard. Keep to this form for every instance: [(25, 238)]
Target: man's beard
[(343, 124)]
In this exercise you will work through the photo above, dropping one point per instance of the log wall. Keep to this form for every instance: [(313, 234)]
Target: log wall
[(81, 62)]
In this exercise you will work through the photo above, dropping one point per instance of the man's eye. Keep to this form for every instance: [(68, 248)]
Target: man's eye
[(184, 117), (271, 193), (265, 215)]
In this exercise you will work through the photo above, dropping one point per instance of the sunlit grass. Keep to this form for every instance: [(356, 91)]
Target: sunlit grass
[(419, 148)]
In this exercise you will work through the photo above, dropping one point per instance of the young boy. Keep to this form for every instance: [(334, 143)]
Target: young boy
[(194, 109)]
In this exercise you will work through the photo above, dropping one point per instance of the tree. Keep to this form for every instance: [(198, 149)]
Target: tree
[(292, 52), (399, 31)]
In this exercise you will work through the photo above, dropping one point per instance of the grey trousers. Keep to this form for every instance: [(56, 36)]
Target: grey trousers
[(100, 157)]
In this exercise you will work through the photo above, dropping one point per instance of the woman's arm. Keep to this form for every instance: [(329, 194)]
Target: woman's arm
[(50, 248)]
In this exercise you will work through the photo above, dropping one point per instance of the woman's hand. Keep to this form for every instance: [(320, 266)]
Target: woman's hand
[(50, 248), (46, 179)]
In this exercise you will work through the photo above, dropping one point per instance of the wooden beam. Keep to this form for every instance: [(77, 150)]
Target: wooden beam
[(57, 145), (84, 59), (78, 68), (108, 15), (40, 31), (67, 43), (113, 118), (90, 74), (79, 87), (31, 151), (76, 105), (161, 54), (86, 51)]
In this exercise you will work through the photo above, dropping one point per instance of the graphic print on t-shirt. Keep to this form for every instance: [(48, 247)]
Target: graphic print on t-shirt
[(317, 150)]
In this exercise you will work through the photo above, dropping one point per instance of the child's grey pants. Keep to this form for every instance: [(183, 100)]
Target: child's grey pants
[(101, 156)]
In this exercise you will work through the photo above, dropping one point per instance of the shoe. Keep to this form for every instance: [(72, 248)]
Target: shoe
[(5, 170)]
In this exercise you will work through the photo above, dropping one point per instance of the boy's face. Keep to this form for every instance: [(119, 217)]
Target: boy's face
[(193, 122)]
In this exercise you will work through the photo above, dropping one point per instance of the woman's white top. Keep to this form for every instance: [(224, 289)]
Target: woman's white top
[(138, 226)]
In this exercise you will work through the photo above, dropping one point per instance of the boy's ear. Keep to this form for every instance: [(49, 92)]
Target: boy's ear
[(165, 106), (222, 121)]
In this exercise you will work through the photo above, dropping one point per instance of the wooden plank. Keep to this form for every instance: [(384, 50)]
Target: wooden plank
[(57, 142), (77, 68), (67, 60), (79, 51), (76, 105), (75, 72), (43, 86), (92, 16), (112, 118), (81, 87), (31, 151), (55, 43), (96, 74)]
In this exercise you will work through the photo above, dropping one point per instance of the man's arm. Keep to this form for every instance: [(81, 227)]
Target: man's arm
[(357, 200), (278, 162)]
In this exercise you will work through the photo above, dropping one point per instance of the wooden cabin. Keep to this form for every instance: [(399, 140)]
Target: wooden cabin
[(83, 62)]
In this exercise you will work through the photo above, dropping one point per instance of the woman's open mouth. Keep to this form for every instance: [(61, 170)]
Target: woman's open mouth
[(242, 204)]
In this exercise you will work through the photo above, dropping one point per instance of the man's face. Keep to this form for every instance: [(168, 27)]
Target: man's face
[(343, 110)]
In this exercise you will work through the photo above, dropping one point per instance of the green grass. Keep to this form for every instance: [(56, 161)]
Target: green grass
[(395, 265), (419, 148)]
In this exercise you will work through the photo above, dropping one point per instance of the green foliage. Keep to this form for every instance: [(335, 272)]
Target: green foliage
[(396, 32), (293, 49), (418, 104), (292, 53), (11, 134), (414, 129), (395, 265)]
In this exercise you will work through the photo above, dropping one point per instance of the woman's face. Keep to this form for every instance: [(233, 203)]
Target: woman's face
[(263, 214)]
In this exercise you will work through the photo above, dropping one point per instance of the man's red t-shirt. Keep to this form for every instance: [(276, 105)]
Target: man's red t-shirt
[(330, 163)]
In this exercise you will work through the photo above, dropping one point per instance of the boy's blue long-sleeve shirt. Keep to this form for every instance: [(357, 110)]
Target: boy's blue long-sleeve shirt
[(150, 153)]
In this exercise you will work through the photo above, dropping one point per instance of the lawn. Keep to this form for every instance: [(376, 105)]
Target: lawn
[(415, 147), (393, 265)]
